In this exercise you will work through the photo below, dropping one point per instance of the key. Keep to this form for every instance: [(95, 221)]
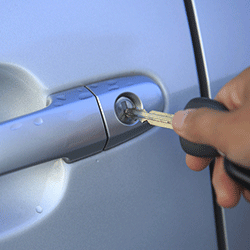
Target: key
[(240, 174), (155, 118)]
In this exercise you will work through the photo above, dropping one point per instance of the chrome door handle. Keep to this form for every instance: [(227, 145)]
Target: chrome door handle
[(71, 127), (78, 123)]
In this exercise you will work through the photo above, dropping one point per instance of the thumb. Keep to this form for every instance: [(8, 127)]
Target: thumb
[(203, 125)]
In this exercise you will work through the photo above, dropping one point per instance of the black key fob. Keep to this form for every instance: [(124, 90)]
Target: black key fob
[(195, 149)]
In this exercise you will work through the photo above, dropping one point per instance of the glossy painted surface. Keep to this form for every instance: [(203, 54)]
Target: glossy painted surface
[(224, 28), (225, 32), (140, 194)]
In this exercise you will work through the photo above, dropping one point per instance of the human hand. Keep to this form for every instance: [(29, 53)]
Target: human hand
[(228, 132)]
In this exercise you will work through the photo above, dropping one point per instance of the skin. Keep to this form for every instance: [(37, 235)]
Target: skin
[(228, 132)]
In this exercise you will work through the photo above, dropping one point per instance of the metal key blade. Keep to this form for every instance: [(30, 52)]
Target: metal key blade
[(155, 118)]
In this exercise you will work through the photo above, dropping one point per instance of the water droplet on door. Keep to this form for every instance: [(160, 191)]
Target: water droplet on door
[(61, 97), (16, 126), (58, 104), (85, 95), (38, 121), (112, 82), (80, 89), (39, 209)]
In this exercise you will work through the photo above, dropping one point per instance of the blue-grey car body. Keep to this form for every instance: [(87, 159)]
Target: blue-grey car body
[(135, 195)]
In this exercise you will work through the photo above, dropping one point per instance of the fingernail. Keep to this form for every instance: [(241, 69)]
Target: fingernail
[(221, 153), (179, 118)]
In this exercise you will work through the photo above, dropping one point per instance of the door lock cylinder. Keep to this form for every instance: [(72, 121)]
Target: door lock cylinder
[(121, 104)]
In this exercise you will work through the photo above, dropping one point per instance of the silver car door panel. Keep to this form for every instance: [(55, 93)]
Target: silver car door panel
[(226, 42), (134, 195)]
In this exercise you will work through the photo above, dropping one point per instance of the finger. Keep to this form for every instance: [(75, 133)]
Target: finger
[(236, 92), (203, 125), (246, 194), (197, 163), (227, 191), (228, 132)]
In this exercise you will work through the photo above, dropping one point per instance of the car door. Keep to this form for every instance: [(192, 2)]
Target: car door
[(224, 27), (138, 194)]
